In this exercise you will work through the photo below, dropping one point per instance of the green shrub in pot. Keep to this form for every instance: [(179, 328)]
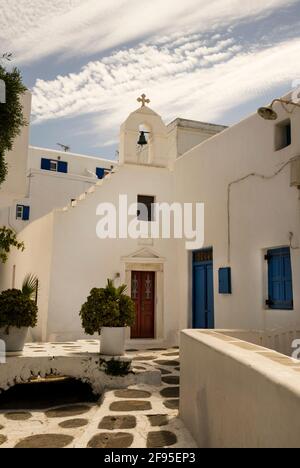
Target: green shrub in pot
[(108, 309), (18, 312)]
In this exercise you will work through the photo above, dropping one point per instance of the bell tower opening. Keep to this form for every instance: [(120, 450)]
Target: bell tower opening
[(144, 135), (144, 138)]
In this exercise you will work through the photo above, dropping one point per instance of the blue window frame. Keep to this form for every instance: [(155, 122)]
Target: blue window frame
[(54, 166), (280, 283), (225, 281), (100, 172), (23, 212), (62, 167)]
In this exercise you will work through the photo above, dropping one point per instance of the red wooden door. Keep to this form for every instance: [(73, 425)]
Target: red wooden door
[(143, 294)]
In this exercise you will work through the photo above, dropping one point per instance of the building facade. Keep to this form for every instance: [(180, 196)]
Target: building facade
[(247, 272)]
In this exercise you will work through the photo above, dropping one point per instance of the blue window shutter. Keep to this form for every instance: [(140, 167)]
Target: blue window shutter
[(100, 173), (280, 279), (62, 167), (288, 135), (45, 164), (26, 213), (288, 283), (225, 281)]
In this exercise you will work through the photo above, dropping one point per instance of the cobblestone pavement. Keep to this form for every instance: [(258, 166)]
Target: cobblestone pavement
[(138, 417)]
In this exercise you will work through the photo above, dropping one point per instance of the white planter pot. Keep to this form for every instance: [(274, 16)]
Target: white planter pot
[(15, 340), (112, 341)]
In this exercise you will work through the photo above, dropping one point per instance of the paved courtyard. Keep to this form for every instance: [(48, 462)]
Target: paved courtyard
[(138, 417)]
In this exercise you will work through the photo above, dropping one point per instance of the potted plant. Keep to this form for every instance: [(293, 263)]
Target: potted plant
[(18, 312), (108, 311)]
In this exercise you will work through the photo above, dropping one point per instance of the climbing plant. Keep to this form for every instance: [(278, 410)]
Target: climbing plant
[(8, 239), (11, 112)]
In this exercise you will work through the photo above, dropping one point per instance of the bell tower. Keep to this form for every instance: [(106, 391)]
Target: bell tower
[(144, 138)]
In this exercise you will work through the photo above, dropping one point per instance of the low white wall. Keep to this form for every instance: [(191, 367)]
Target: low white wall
[(236, 394), (277, 340)]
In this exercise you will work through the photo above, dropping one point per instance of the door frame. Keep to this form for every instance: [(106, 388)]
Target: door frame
[(148, 260), (204, 262), (154, 297)]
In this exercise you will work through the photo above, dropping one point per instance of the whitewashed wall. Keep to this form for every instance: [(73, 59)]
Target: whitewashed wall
[(36, 259), (186, 134), (81, 261), (77, 163), (44, 190), (16, 182), (263, 213)]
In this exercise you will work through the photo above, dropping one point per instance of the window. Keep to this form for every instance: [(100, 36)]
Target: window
[(146, 208), (19, 212), (283, 135), (203, 255), (100, 173), (280, 284), (22, 212), (225, 286), (54, 166)]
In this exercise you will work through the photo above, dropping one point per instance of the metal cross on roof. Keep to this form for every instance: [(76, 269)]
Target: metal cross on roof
[(144, 100)]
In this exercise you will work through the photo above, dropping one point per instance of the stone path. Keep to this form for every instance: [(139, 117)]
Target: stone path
[(138, 417)]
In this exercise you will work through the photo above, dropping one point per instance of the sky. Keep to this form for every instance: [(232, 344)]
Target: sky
[(87, 61)]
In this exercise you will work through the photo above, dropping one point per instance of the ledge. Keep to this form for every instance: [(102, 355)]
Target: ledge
[(79, 360)]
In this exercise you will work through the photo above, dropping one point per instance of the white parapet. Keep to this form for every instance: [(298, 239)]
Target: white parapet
[(235, 393)]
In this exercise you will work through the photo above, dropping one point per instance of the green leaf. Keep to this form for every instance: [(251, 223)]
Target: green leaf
[(11, 113), (30, 286), (8, 239)]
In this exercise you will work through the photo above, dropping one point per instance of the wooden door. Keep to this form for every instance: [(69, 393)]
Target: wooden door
[(143, 294)]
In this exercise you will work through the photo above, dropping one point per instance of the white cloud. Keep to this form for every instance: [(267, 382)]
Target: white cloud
[(33, 29), (101, 85), (199, 83)]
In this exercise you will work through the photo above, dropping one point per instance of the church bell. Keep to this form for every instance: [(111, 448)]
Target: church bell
[(142, 140)]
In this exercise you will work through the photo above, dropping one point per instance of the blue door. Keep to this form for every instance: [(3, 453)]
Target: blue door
[(203, 289)]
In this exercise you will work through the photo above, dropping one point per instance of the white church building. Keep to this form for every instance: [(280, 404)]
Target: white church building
[(245, 276)]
